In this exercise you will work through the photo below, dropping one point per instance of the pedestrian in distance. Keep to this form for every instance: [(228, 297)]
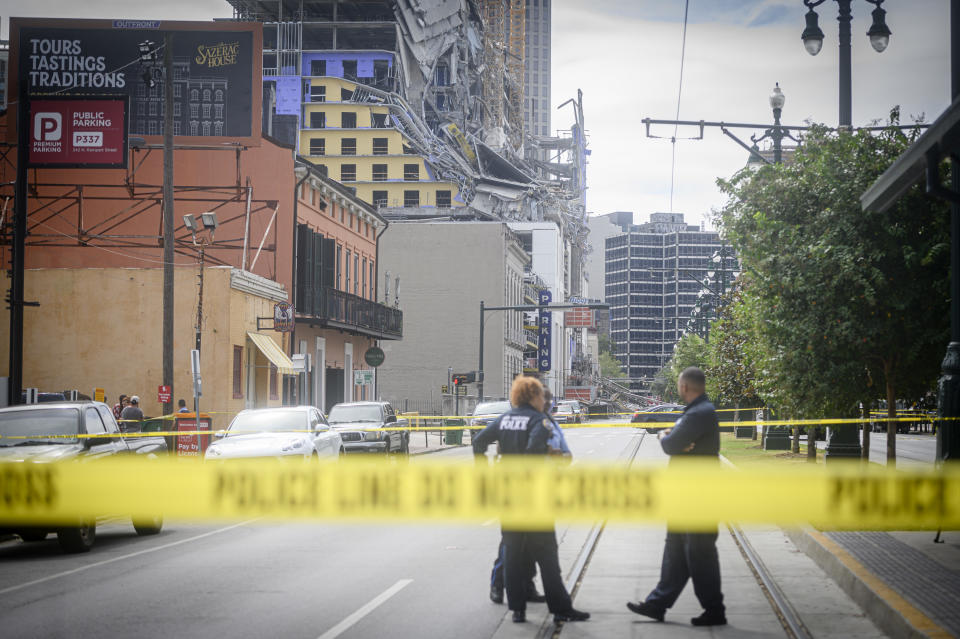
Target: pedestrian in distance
[(523, 431), (182, 403), (689, 555), (119, 406), (131, 413)]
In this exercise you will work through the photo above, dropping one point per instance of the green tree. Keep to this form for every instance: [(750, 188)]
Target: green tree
[(691, 350), (610, 366), (730, 369), (839, 297)]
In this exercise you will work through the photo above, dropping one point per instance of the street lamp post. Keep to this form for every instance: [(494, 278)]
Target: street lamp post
[(202, 230), (812, 37), (844, 442)]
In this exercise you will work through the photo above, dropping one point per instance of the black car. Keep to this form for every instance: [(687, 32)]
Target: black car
[(665, 414), (358, 422)]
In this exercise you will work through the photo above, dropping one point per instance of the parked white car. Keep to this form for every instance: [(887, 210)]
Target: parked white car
[(290, 431)]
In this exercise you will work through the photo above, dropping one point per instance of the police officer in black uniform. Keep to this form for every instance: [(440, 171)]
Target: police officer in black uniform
[(523, 430), (690, 555)]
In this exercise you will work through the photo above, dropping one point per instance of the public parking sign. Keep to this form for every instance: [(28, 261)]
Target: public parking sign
[(164, 394), (70, 132)]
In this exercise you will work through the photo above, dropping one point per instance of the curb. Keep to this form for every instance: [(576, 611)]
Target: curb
[(433, 450), (890, 611)]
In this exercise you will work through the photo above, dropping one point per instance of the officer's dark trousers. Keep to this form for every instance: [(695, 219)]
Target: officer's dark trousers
[(520, 550), (496, 575), (689, 556)]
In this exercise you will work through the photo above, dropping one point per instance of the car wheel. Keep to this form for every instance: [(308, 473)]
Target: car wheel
[(405, 447), (33, 534), (78, 539), (342, 453), (148, 526)]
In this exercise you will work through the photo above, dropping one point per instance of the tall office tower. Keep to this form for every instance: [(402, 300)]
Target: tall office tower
[(645, 267), (537, 68)]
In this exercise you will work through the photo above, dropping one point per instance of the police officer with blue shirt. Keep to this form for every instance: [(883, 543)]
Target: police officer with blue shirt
[(524, 430), (689, 555)]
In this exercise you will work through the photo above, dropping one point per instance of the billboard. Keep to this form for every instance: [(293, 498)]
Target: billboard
[(72, 132), (216, 71), (579, 318)]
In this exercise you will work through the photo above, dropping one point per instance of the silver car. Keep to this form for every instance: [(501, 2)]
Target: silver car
[(286, 432)]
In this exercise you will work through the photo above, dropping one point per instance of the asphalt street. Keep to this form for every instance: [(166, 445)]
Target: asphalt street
[(254, 579)]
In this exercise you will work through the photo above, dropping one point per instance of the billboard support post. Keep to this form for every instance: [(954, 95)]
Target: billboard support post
[(168, 218), (18, 245)]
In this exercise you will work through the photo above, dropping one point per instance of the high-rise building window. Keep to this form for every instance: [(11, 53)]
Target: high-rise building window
[(379, 172), (443, 199), (318, 146), (318, 93), (348, 172), (379, 198), (411, 198), (318, 67), (350, 69), (348, 120), (411, 172), (380, 146), (318, 120), (348, 146)]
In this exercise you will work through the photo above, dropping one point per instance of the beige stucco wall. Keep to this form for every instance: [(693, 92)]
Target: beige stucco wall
[(102, 328)]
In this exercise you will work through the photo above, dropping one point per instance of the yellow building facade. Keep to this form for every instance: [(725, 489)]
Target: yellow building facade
[(358, 145)]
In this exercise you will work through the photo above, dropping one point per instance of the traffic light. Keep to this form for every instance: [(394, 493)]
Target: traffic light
[(461, 380)]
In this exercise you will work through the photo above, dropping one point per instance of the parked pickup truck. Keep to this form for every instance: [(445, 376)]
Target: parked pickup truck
[(42, 433)]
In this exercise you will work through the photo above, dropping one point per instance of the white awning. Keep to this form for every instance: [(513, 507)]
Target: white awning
[(272, 351)]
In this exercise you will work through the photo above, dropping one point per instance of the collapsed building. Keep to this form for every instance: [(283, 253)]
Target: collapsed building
[(419, 107)]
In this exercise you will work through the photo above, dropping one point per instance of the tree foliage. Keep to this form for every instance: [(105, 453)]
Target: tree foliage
[(837, 305)]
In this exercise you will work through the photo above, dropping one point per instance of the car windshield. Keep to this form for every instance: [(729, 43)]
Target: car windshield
[(45, 426), (272, 421), (492, 408), (565, 408), (345, 413)]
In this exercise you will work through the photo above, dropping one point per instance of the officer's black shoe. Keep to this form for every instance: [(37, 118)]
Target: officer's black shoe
[(519, 616), (535, 597), (496, 594), (710, 619), (571, 615), (645, 609)]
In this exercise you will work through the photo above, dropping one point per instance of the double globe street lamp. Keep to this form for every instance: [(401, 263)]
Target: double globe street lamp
[(879, 34)]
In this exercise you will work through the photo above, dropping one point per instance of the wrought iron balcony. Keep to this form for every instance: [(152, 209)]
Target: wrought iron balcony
[(332, 308)]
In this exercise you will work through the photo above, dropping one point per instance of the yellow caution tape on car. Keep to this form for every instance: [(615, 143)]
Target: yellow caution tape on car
[(522, 493)]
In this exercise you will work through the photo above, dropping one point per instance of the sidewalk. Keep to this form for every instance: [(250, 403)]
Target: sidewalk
[(907, 584), (425, 442)]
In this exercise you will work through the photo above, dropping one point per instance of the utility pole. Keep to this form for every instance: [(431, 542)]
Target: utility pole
[(168, 240)]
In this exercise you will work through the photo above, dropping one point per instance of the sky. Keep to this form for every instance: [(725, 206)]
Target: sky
[(625, 56)]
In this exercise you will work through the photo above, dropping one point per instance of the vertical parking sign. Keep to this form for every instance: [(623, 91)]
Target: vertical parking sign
[(544, 340)]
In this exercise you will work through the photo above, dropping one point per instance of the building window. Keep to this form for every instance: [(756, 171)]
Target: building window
[(176, 127), (217, 111), (318, 120), (339, 255), (372, 281), (152, 128), (407, 150), (318, 67), (194, 95), (380, 146), (363, 283), (378, 120), (318, 93), (350, 69), (194, 126), (379, 198), (206, 95), (411, 172), (218, 96), (442, 75), (348, 172), (356, 272), (176, 109), (346, 95), (238, 372), (318, 146), (346, 268), (348, 121), (177, 90), (206, 111), (274, 387), (194, 111), (217, 128), (153, 108), (348, 146), (411, 198), (443, 199), (379, 172), (206, 127)]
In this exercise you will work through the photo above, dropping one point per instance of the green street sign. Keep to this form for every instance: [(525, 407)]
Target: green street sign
[(374, 356)]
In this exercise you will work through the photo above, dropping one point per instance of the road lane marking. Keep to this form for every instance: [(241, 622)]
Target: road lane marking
[(365, 610), (73, 571)]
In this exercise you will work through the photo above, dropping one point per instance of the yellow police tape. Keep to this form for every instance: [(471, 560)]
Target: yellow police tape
[(522, 493)]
